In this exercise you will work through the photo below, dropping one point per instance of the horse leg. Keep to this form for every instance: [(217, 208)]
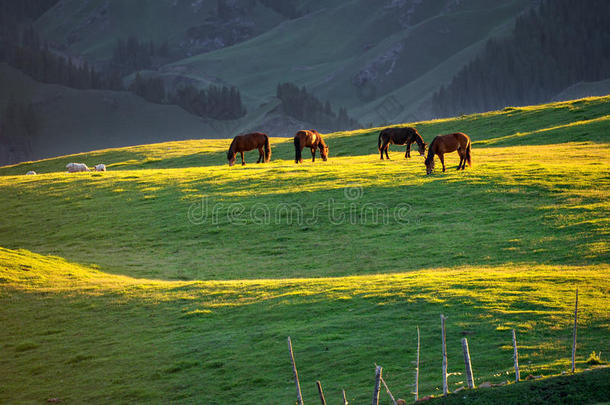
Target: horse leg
[(461, 159), (442, 159), (313, 154), (387, 146), (260, 154), (243, 163), (408, 153)]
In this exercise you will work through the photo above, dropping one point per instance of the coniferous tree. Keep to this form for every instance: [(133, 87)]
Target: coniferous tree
[(221, 103), (553, 46), (300, 104)]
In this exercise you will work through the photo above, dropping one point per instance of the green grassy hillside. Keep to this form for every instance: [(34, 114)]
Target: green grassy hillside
[(92, 28), (87, 336), (555, 173), (175, 278), (79, 120), (300, 51)]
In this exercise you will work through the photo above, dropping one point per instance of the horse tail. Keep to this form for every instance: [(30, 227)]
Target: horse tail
[(267, 149), (379, 142), (297, 149), (468, 154)]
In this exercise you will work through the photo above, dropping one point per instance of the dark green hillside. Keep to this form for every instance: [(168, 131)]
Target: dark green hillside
[(354, 67), (92, 28), (560, 43), (74, 121), (382, 69), (256, 44)]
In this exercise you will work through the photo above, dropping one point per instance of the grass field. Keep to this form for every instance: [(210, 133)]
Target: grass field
[(174, 278)]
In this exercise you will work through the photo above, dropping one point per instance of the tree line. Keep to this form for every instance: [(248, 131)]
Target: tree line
[(37, 60), (220, 103), (557, 44), (132, 54), (31, 56), (302, 105)]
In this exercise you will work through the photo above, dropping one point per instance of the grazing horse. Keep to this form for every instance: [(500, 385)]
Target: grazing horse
[(400, 136), (446, 144), (244, 143), (311, 139)]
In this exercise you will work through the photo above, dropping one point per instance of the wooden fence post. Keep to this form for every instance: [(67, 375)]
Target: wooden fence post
[(296, 374), (344, 398), (574, 334), (469, 376), (444, 348), (388, 391), (417, 369), (516, 357), (321, 392), (378, 371)]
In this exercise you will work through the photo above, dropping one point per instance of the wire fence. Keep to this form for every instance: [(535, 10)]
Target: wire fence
[(508, 349)]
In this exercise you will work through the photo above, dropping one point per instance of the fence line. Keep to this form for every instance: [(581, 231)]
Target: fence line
[(418, 363), (574, 333), (445, 386), (296, 374), (516, 357)]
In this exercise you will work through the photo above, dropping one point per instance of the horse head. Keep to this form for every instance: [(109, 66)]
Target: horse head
[(231, 157), (421, 148), (429, 163), (324, 152)]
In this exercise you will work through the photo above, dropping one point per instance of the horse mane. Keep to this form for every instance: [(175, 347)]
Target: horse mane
[(417, 137), (431, 151), (230, 152), (297, 147), (267, 148), (320, 138)]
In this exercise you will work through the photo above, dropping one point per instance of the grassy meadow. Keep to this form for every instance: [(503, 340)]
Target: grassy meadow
[(175, 278)]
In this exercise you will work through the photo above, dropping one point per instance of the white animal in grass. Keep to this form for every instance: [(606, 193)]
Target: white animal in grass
[(100, 168), (77, 167), (30, 173)]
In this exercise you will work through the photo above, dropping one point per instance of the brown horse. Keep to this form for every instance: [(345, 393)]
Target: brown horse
[(446, 144), (244, 143), (310, 139), (400, 136)]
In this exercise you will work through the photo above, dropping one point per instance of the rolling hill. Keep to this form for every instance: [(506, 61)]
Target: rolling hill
[(175, 278), (382, 62), (401, 50), (78, 120)]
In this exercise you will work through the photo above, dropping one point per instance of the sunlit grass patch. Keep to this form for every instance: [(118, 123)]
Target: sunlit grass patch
[(175, 330), (517, 204)]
